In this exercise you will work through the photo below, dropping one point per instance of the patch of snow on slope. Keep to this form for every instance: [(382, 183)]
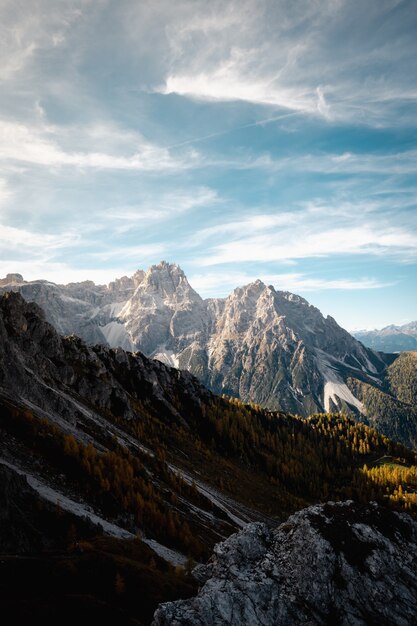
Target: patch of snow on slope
[(117, 336), (166, 356), (334, 390), (334, 386)]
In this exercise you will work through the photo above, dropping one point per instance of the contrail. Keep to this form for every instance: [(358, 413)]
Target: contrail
[(268, 120)]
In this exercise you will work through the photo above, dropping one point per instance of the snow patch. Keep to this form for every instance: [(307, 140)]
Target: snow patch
[(116, 336), (334, 386), (82, 510), (166, 356), (335, 390)]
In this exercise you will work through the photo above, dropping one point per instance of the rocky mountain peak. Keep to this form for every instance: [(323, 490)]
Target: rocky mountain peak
[(11, 279), (265, 346), (166, 284)]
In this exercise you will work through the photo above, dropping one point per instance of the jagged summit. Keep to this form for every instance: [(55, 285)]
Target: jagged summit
[(167, 278), (263, 345)]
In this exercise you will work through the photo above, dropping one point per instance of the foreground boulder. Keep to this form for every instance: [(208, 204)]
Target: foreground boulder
[(338, 563)]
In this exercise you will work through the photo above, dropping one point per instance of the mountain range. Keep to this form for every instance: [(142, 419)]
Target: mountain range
[(117, 472), (261, 345), (390, 338)]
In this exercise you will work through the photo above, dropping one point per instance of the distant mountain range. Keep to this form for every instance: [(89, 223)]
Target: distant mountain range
[(391, 338), (261, 345)]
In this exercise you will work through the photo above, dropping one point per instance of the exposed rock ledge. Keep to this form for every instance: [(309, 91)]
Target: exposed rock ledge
[(336, 564)]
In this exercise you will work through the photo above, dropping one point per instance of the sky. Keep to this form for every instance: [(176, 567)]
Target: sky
[(265, 139)]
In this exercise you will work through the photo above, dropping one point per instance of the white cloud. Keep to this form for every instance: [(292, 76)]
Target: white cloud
[(17, 239), (393, 164), (27, 30), (39, 146), (247, 225), (161, 206), (5, 191), (328, 59), (286, 245), (315, 230), (213, 284), (225, 83), (135, 254), (62, 273)]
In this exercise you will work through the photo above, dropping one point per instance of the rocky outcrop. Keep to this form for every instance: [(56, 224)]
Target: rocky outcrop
[(339, 564)]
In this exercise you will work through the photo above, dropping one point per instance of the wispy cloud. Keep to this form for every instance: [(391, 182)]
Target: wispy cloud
[(212, 283), (5, 191), (26, 32), (136, 255), (398, 163), (18, 239), (161, 206), (35, 146), (302, 63), (63, 273), (317, 230)]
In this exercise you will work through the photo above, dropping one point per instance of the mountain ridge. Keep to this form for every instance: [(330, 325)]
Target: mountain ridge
[(391, 338), (226, 342)]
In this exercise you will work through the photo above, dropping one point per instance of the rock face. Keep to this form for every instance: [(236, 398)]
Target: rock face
[(42, 367), (339, 564), (259, 344), (391, 338)]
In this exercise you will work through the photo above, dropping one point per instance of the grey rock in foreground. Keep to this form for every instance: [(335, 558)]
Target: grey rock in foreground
[(339, 564)]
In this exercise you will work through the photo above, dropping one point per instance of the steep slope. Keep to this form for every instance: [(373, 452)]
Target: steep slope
[(393, 409), (391, 338), (402, 378), (275, 349), (259, 344), (332, 564), (84, 309), (93, 397), (57, 567)]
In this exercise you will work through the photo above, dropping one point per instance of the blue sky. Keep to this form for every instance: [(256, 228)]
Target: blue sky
[(263, 139)]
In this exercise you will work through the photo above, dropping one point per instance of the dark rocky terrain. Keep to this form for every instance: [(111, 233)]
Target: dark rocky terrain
[(341, 563)]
